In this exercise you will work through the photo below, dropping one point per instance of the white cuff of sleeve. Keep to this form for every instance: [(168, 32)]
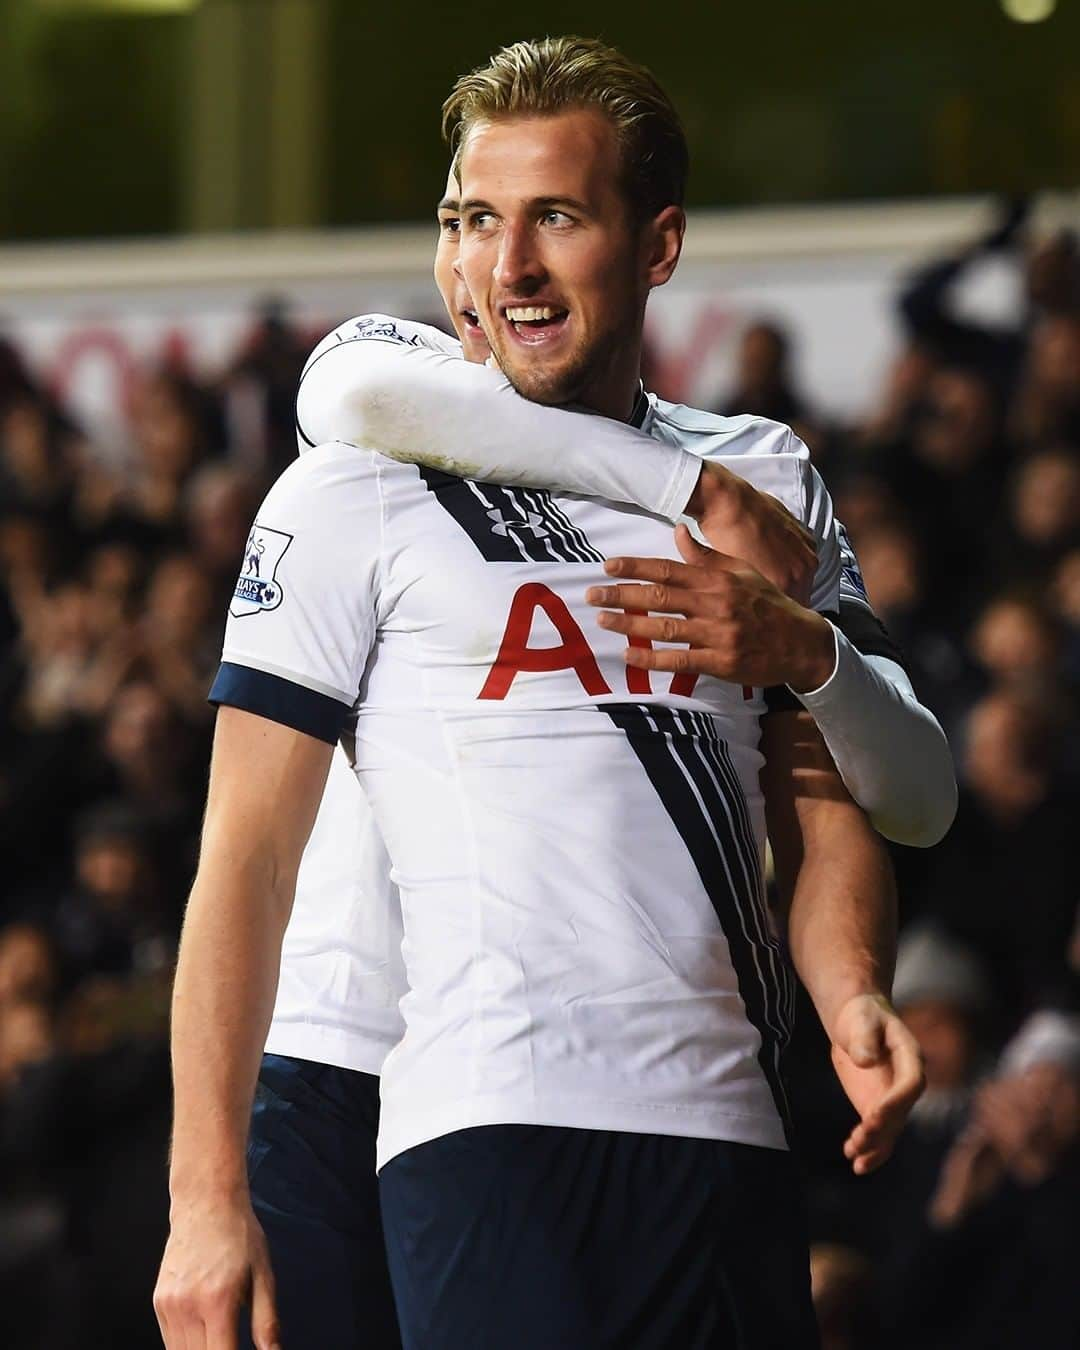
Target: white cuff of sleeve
[(680, 486)]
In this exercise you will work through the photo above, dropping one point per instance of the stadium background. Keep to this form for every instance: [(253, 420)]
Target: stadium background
[(880, 253)]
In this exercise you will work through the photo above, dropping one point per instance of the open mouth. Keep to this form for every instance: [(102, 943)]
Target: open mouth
[(471, 320), (536, 323)]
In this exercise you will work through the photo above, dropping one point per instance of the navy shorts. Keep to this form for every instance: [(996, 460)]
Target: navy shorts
[(530, 1237), (311, 1166)]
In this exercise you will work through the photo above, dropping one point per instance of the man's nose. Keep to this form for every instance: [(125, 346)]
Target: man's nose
[(518, 267)]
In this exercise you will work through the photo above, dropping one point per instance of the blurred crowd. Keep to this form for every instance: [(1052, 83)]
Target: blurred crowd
[(960, 489)]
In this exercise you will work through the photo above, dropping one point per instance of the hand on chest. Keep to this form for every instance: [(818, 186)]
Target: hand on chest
[(490, 582)]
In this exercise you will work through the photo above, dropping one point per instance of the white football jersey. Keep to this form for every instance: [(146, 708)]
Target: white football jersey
[(577, 844)]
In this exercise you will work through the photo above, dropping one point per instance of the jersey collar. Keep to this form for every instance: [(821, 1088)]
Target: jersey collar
[(640, 408)]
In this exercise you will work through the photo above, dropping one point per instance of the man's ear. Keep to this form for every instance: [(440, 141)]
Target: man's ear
[(663, 236)]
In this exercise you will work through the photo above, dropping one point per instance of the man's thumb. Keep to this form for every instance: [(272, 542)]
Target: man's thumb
[(866, 1044), (697, 555)]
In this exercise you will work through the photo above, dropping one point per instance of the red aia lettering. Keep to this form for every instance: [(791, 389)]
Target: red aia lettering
[(516, 655), (637, 678), (573, 653)]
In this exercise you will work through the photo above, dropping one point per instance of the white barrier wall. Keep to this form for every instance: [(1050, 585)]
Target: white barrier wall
[(88, 316)]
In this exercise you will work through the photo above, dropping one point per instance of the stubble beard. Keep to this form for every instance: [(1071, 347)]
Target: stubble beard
[(572, 380)]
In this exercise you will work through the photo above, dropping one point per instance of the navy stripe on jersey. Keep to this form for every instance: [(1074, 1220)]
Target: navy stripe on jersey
[(278, 700), (509, 524), (688, 766), (866, 633)]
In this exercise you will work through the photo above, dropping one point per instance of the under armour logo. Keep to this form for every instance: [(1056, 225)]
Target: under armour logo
[(532, 521)]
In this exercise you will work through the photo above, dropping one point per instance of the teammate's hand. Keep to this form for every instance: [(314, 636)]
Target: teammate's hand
[(739, 626), (879, 1065), (744, 523), (216, 1260)]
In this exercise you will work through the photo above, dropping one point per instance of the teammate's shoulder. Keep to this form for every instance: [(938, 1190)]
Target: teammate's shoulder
[(711, 434), (383, 328), (324, 474)]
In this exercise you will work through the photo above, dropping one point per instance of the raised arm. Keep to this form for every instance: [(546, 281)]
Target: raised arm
[(402, 389), (836, 882), (266, 781)]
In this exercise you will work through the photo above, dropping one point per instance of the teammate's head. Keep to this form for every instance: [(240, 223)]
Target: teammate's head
[(572, 167), (452, 288)]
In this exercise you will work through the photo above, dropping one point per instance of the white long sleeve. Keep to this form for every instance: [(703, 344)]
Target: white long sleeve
[(890, 751), (422, 404)]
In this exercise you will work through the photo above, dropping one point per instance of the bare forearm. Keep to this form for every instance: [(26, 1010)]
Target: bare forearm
[(223, 999), (842, 923)]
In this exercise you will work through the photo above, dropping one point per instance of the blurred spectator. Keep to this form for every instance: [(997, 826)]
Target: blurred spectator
[(941, 993), (1014, 1176), (764, 385), (27, 965), (891, 422), (841, 1286), (260, 392), (1047, 409), (1051, 285), (33, 473), (894, 571), (1007, 877), (1016, 643), (220, 508), (1043, 517), (1065, 595), (763, 380), (178, 637), (113, 922)]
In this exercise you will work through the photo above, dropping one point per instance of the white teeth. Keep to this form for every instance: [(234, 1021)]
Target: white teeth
[(528, 313)]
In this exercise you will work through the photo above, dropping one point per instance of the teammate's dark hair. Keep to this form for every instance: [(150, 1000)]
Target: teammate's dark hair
[(552, 75)]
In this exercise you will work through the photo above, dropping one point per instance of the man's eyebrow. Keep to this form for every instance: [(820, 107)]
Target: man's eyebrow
[(547, 203), (448, 204), (536, 204)]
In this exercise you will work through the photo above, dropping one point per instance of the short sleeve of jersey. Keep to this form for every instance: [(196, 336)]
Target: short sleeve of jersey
[(302, 618), (327, 378), (819, 519)]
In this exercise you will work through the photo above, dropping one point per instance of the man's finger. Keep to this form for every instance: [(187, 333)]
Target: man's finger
[(654, 628), (909, 1078), (675, 660), (654, 598), (264, 1322), (666, 571), (181, 1328)]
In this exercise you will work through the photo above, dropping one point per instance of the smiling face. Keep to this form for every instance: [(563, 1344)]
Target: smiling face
[(452, 288), (558, 267)]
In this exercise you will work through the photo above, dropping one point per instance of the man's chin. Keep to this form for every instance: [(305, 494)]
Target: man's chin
[(541, 386)]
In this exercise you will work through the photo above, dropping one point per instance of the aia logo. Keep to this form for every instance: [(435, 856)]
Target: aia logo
[(573, 652)]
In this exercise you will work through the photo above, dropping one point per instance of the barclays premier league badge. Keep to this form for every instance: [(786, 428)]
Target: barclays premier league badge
[(257, 587)]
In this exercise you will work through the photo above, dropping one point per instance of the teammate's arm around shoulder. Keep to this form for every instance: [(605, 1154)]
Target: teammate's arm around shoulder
[(890, 750), (266, 781), (835, 878)]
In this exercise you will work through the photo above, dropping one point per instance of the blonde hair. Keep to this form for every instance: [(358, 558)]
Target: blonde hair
[(553, 75)]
